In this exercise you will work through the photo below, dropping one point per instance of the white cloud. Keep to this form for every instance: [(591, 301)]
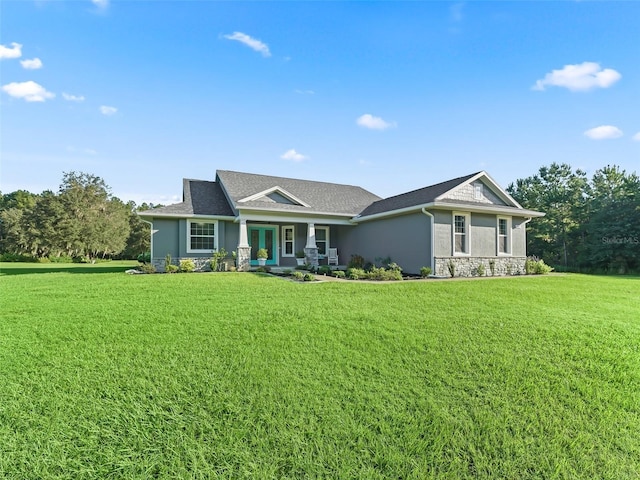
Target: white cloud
[(293, 156), (30, 91), (15, 51), (604, 132), (72, 98), (101, 4), (636, 137), (374, 123), (34, 64), (250, 42), (580, 77), (105, 110)]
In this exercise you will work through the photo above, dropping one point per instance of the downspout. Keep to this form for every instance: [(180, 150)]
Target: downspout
[(431, 243), (151, 238)]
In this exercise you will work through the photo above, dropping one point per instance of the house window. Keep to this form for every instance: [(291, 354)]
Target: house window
[(460, 233), (201, 236), (287, 241), (477, 191), (504, 242), (322, 240)]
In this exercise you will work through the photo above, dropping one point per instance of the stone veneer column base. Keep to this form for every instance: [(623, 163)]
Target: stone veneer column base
[(311, 256), (468, 266), (243, 259)]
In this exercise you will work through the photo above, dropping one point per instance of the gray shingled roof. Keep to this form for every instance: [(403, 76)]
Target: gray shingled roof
[(199, 198), (320, 196), (414, 198)]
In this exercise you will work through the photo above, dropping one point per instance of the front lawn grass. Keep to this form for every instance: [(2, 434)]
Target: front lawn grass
[(248, 376)]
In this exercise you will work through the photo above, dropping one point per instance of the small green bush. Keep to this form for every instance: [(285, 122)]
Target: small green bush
[(452, 268), (339, 274), (144, 257), (354, 273), (170, 268), (216, 263), (480, 270), (147, 268), (187, 265), (425, 272), (535, 266), (14, 257), (384, 274), (324, 270), (308, 277), (298, 275), (492, 267)]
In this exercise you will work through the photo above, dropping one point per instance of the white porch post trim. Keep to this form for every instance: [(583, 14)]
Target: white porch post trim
[(311, 236), (244, 236)]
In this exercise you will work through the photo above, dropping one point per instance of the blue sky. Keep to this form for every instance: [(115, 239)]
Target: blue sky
[(392, 96)]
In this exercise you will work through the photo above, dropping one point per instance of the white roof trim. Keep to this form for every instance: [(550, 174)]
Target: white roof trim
[(508, 199), (275, 189), (462, 207)]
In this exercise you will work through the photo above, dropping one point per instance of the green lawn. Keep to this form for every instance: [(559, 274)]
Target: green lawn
[(107, 375)]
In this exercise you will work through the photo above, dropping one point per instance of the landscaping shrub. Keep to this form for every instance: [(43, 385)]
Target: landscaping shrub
[(14, 257), (452, 268), (308, 277), (147, 268), (187, 265), (338, 274), (324, 270), (298, 275), (384, 274), (535, 266), (425, 272), (217, 264), (480, 270), (356, 273), (144, 257), (492, 267)]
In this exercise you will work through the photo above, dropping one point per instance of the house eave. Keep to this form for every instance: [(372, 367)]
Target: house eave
[(150, 217), (492, 209)]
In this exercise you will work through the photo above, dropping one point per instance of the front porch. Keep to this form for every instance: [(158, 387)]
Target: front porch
[(284, 243)]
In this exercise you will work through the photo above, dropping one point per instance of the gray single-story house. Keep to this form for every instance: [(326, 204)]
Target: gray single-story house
[(462, 222)]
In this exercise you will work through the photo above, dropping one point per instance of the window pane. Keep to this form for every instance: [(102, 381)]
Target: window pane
[(502, 225), (459, 243), (502, 244), (459, 223)]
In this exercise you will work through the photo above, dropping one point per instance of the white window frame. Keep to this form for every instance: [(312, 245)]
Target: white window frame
[(467, 233), (508, 222), (215, 235), (478, 190), (327, 243), (285, 241)]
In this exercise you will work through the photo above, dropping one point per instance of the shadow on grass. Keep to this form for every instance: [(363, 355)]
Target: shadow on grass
[(81, 268)]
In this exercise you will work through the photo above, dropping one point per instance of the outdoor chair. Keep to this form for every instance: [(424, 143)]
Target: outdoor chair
[(332, 256)]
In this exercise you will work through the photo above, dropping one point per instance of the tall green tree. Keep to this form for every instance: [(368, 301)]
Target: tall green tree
[(94, 222), (612, 230), (561, 193)]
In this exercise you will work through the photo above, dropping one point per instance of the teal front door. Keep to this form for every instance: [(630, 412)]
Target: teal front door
[(263, 237)]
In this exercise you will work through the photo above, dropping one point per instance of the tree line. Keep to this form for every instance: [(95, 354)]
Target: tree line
[(83, 220), (591, 224)]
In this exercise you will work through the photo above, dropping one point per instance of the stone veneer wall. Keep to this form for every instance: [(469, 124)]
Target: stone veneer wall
[(202, 264), (468, 266)]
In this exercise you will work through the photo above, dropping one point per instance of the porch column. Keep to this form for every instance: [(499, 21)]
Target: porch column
[(243, 258), (311, 249)]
